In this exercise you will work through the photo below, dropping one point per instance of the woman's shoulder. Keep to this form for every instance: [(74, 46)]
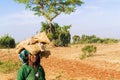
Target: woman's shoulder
[(24, 66)]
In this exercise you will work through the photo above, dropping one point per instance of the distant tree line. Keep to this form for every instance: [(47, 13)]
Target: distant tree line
[(92, 39), (61, 37)]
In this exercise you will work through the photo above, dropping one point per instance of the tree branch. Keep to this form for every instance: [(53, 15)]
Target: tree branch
[(55, 16)]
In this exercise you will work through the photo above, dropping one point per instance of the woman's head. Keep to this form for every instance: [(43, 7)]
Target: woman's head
[(27, 57), (34, 52), (34, 58)]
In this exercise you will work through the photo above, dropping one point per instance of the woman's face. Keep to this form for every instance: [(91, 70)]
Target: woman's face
[(33, 57)]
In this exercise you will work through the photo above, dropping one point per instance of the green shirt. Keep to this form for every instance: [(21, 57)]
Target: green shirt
[(27, 72)]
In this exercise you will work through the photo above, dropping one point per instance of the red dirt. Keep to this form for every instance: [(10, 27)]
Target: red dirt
[(64, 64), (77, 69)]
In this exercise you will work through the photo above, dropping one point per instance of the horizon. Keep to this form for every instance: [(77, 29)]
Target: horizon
[(100, 18)]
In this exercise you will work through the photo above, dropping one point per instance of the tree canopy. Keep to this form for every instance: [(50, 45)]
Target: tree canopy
[(50, 9)]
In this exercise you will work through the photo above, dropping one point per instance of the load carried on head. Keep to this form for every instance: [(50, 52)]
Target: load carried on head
[(39, 40), (33, 45)]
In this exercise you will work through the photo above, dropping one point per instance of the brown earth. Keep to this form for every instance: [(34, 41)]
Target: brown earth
[(64, 63)]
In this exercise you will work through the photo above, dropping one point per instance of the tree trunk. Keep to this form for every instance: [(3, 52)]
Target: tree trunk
[(49, 24), (51, 27)]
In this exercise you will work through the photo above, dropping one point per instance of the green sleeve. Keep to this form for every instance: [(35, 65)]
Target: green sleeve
[(20, 75)]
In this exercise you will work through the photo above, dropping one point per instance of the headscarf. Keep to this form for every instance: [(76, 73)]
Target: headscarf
[(24, 56)]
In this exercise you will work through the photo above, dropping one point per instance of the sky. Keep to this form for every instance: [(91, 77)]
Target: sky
[(94, 17)]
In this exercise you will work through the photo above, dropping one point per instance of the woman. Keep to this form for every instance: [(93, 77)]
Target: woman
[(31, 69)]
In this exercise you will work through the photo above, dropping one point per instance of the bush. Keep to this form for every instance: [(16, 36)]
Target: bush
[(88, 51), (7, 42)]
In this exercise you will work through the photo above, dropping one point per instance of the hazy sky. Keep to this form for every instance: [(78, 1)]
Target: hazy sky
[(98, 17)]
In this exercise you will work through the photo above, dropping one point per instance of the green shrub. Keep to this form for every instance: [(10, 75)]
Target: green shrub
[(88, 51), (7, 42), (83, 56), (108, 40)]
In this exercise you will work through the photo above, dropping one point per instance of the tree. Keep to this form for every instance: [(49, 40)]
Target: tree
[(56, 31), (61, 36), (50, 9), (7, 42), (65, 35), (76, 39)]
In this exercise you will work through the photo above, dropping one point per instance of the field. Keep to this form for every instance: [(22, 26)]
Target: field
[(64, 63)]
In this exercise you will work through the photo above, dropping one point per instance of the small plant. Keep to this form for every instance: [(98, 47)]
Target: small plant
[(83, 56), (88, 51), (58, 76)]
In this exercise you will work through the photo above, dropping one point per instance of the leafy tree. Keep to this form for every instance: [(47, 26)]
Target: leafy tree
[(7, 42), (56, 32), (65, 35), (50, 9), (61, 36), (76, 39)]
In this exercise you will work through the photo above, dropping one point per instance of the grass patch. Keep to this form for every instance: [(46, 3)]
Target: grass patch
[(9, 66)]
